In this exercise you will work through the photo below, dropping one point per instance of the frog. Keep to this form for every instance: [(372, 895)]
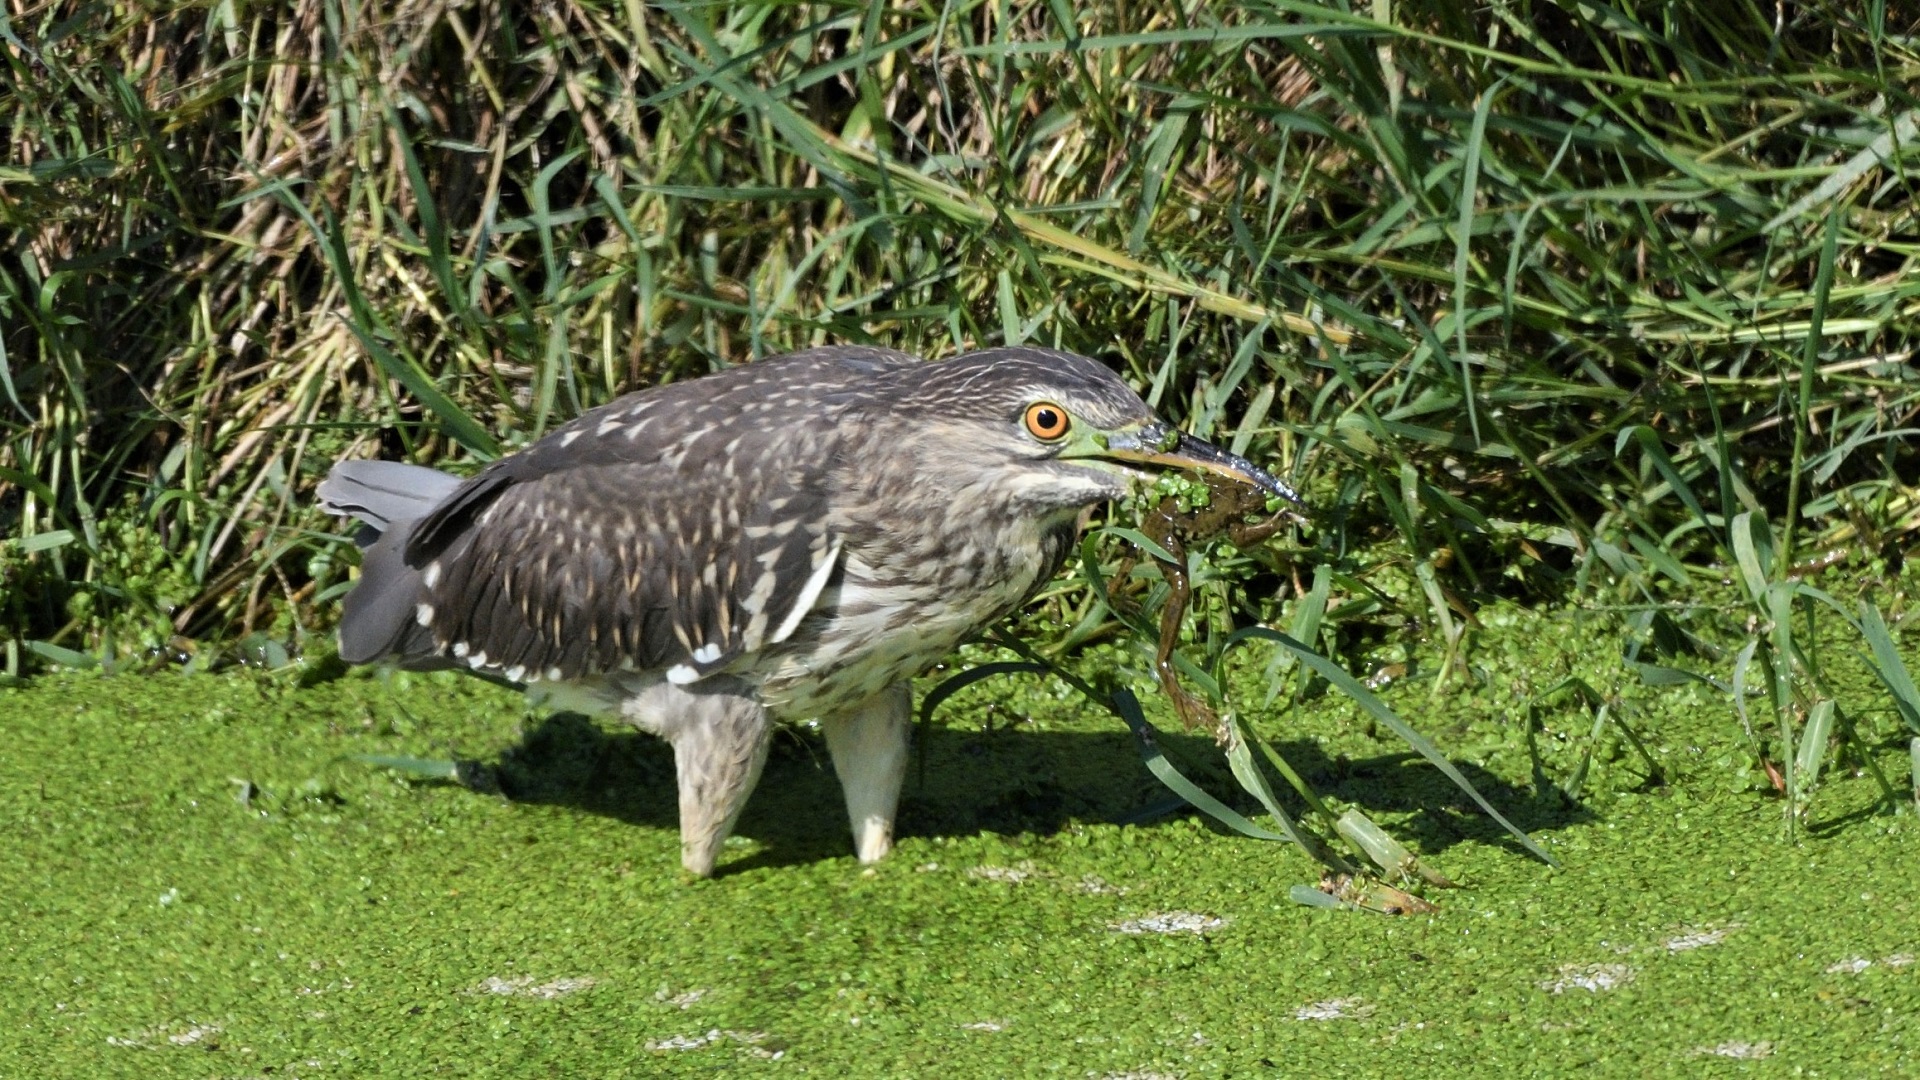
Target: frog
[(1199, 511)]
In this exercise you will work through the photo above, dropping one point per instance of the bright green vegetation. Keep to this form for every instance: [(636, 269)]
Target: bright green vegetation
[(197, 884), (1531, 298), (1599, 309)]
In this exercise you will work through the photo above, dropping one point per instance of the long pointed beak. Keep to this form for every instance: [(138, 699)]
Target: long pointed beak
[(1160, 444)]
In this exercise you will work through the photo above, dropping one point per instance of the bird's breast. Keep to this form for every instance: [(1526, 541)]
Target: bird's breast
[(886, 621)]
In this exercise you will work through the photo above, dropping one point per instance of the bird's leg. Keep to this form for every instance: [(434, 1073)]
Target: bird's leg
[(869, 748), (719, 748)]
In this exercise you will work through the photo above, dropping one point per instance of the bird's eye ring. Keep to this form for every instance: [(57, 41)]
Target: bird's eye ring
[(1046, 421)]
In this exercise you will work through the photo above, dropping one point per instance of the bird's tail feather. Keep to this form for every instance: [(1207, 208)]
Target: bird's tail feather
[(381, 493), (379, 617)]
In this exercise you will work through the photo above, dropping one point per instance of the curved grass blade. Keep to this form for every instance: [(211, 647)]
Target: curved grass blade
[(1127, 708), (1913, 753), (1740, 664), (956, 683), (1307, 613), (1888, 666), (1139, 540), (1753, 551), (423, 768), (1386, 852), (1650, 445), (1308, 896), (953, 685), (61, 655), (1350, 686), (1814, 737), (1240, 760)]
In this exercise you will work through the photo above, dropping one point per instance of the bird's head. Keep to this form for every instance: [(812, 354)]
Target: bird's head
[(1050, 431)]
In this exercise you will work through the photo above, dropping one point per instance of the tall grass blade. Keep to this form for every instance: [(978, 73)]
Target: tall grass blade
[(1813, 752), (1376, 708), (1889, 668)]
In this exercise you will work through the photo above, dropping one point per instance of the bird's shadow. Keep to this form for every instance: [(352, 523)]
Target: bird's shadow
[(1009, 781)]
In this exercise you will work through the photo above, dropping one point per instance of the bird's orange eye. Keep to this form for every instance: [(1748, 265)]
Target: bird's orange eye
[(1046, 421)]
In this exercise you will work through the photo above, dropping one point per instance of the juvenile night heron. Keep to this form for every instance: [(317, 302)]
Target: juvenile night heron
[(788, 540)]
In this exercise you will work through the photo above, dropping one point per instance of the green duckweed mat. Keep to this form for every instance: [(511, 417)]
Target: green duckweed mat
[(198, 881)]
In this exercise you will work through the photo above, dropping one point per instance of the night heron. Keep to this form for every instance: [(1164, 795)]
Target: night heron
[(787, 540)]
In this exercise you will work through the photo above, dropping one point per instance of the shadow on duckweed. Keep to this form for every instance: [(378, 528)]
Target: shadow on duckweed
[(1005, 782)]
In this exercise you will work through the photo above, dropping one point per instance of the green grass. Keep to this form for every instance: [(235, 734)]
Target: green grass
[(1531, 299), (200, 885)]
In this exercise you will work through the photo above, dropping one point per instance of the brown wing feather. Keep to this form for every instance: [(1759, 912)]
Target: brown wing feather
[(676, 529)]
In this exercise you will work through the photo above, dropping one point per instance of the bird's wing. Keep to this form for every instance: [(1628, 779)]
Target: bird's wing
[(600, 568), (673, 530)]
